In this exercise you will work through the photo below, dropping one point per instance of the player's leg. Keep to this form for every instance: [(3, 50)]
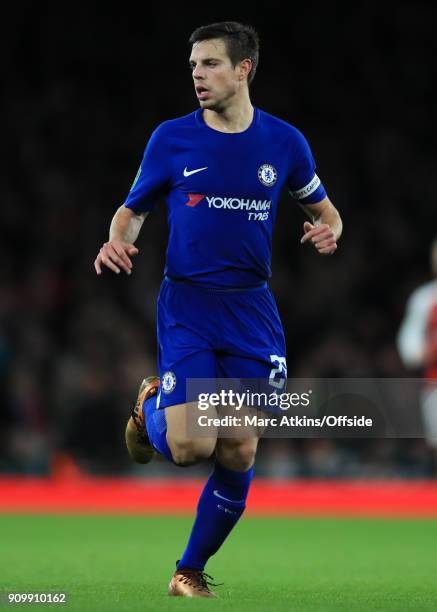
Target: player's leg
[(220, 506), (186, 448), (253, 347), (167, 415), (169, 431), (222, 502), (237, 454)]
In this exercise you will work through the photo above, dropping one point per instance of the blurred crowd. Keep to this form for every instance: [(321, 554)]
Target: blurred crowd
[(84, 91)]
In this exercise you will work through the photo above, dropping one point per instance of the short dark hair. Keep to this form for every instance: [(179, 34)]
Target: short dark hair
[(242, 41)]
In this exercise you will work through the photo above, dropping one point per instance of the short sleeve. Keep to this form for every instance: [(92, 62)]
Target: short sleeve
[(303, 183), (153, 176)]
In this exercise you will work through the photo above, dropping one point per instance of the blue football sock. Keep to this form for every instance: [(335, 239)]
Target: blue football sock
[(156, 426), (221, 504)]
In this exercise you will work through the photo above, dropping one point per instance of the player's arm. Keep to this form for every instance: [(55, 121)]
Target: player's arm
[(117, 252), (325, 227)]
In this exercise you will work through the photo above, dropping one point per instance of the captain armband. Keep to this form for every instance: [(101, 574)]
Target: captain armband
[(306, 191)]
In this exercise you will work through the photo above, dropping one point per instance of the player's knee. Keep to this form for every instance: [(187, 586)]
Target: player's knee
[(236, 454), (187, 452)]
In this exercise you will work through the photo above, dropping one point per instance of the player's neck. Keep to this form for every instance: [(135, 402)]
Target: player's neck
[(233, 119)]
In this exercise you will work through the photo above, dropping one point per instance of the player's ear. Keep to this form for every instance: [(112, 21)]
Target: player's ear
[(245, 66)]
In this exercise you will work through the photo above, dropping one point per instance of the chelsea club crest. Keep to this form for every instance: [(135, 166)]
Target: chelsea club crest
[(267, 175), (168, 382)]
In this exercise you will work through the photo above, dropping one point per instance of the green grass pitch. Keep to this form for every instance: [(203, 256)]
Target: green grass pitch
[(116, 563)]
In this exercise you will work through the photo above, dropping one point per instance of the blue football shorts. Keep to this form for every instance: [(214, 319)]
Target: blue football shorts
[(217, 333)]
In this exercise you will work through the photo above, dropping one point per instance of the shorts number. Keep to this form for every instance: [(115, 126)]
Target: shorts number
[(281, 370)]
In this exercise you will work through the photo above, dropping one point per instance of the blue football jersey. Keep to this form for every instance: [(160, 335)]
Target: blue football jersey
[(222, 192)]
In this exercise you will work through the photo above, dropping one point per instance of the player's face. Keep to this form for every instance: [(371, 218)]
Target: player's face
[(216, 80)]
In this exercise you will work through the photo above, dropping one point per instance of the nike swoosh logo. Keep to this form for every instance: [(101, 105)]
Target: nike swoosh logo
[(233, 501), (190, 172)]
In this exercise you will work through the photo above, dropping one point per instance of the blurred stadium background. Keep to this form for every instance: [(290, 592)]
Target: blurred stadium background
[(84, 90)]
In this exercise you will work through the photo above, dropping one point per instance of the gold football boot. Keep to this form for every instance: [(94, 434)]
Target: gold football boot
[(137, 440), (188, 582)]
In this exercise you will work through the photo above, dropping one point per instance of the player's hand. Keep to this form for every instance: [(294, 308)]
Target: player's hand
[(321, 236), (115, 255)]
